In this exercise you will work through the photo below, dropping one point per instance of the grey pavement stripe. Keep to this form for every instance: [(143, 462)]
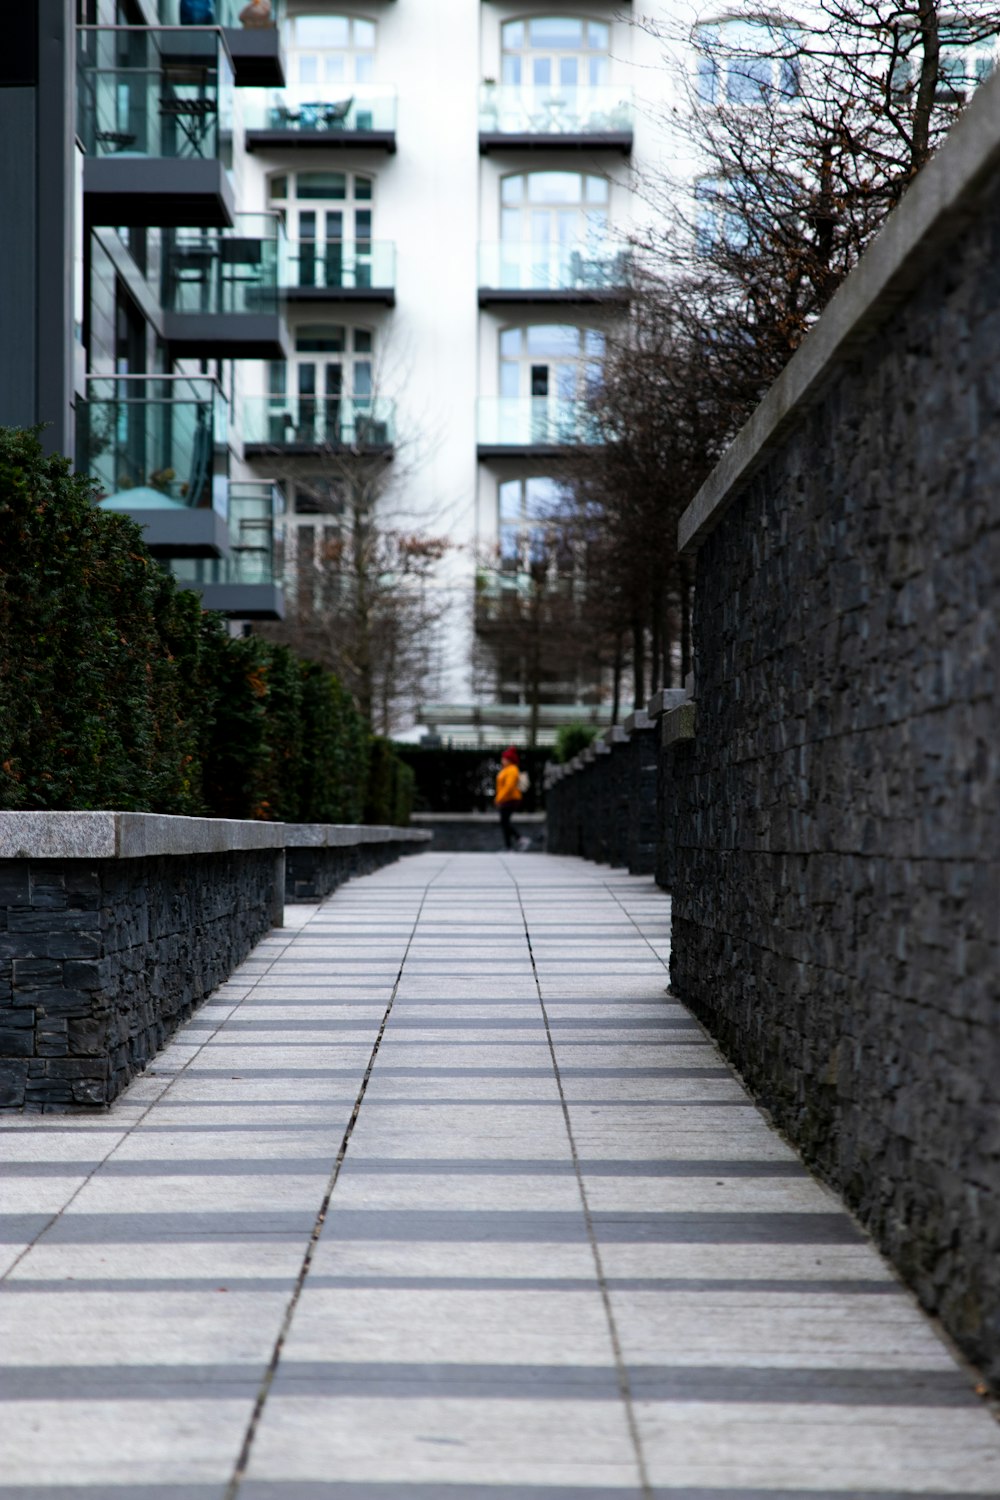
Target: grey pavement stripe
[(179, 1491), (553, 1284), (403, 1022), (531, 1226), (730, 1385), (433, 1101), (241, 1166), (376, 1489), (462, 1071)]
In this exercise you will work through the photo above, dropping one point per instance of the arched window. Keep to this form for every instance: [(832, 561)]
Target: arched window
[(331, 50), (528, 515), (323, 391), (555, 52), (553, 208), (328, 217), (747, 62), (549, 362)]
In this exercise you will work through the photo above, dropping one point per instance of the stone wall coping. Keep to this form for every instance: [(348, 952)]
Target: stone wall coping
[(469, 817), (616, 735), (664, 700), (128, 835), (636, 720), (348, 835), (678, 724), (935, 210)]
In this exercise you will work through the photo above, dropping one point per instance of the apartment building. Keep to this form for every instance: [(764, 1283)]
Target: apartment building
[(310, 233), (456, 181)]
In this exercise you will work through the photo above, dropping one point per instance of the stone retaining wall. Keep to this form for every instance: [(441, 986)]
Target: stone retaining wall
[(115, 926), (837, 825)]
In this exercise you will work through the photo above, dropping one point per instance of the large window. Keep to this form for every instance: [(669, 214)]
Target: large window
[(746, 62), (555, 52), (529, 512), (549, 362), (331, 50), (328, 217), (553, 209), (322, 394)]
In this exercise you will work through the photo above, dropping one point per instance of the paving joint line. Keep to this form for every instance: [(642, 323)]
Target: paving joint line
[(128, 1131), (243, 1458), (624, 1384)]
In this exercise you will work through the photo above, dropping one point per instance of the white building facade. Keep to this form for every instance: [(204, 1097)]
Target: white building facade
[(457, 182)]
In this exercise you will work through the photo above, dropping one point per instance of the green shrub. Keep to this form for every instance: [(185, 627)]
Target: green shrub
[(571, 739)]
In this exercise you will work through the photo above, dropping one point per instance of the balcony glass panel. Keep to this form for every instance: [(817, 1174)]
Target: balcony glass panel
[(318, 421), (151, 438), (256, 532), (224, 270), (366, 107), (248, 14), (528, 421), (147, 91), (553, 267), (512, 109), (341, 265)]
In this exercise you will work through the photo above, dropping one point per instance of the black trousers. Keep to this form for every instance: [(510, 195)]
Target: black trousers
[(507, 825)]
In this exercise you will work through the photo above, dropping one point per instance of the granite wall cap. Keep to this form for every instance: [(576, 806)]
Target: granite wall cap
[(615, 735), (127, 835), (935, 210), (119, 835), (637, 719), (666, 699), (678, 724)]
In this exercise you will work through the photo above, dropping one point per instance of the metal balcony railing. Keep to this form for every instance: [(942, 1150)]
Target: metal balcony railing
[(318, 422), (152, 438), (256, 534), (357, 109), (340, 265), (515, 109), (224, 270), (154, 91), (589, 267), (535, 421)]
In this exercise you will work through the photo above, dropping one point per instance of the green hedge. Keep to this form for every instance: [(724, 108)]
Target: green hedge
[(118, 691)]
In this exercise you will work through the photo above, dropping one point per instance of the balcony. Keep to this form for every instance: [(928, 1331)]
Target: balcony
[(514, 117), (533, 427), (252, 33), (310, 426), (154, 444), (291, 120), (341, 271), (155, 117), (553, 273), (220, 291), (246, 585)]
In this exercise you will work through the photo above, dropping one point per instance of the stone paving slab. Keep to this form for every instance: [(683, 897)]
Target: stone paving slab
[(442, 1197)]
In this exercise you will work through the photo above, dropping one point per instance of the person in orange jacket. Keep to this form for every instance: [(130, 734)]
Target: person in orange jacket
[(509, 797)]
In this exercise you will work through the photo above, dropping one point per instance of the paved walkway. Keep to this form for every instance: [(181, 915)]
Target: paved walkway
[(441, 1198)]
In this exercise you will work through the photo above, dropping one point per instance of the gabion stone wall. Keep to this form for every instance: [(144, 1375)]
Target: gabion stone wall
[(101, 960), (836, 877)]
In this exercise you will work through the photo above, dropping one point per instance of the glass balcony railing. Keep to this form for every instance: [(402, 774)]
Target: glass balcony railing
[(154, 91), (249, 14), (224, 270), (368, 108), (318, 422), (256, 532), (535, 421), (514, 109), (341, 265), (553, 268), (150, 440)]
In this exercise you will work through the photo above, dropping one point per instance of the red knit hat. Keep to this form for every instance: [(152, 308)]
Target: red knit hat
[(510, 754)]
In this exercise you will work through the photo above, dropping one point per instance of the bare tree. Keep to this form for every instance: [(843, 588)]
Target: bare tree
[(363, 598), (805, 133)]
